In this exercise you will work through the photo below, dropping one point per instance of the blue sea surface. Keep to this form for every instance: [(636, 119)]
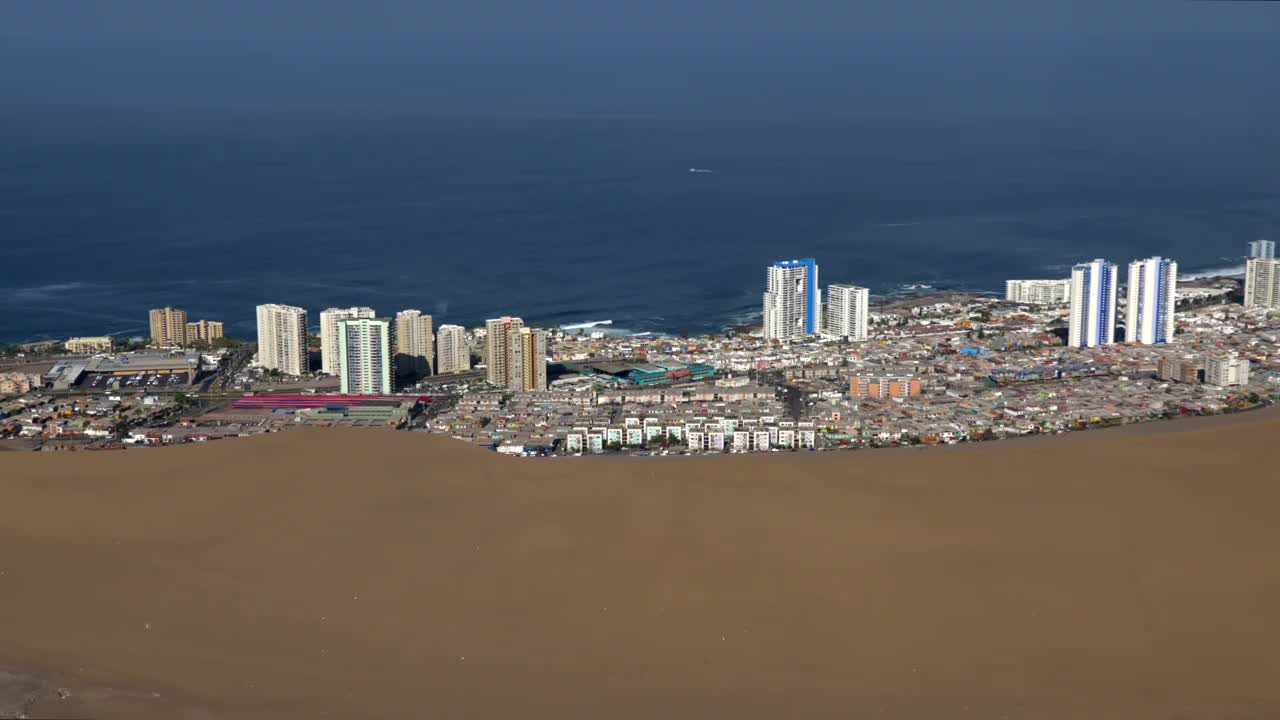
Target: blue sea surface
[(566, 219)]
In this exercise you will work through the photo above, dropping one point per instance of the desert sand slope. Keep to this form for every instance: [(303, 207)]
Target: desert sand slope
[(1113, 574)]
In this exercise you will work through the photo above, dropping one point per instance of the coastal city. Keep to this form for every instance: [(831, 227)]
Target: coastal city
[(825, 369)]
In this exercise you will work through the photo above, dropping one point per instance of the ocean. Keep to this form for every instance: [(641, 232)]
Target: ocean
[(581, 219)]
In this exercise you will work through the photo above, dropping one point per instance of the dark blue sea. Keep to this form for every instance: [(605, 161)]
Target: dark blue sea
[(566, 219)]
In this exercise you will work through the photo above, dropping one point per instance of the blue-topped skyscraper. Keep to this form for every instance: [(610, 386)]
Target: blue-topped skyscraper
[(1265, 249), (792, 300), (1093, 304), (1149, 316)]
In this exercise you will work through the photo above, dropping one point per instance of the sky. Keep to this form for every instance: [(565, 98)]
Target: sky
[(610, 56)]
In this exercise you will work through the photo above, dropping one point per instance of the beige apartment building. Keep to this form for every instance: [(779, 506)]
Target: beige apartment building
[(168, 326), (88, 345), (455, 356), (498, 350), (516, 355), (533, 360), (415, 344), (204, 331)]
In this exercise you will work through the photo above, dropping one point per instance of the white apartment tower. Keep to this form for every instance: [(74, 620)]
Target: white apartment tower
[(366, 349), (846, 315), (1264, 249), (1150, 312), (792, 300), (415, 343), (1226, 371), (329, 319), (1262, 283), (1037, 292), (282, 338), (455, 356), (1093, 304)]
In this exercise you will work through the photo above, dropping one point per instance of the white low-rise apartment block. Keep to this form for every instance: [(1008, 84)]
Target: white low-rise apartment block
[(1038, 292), (716, 435)]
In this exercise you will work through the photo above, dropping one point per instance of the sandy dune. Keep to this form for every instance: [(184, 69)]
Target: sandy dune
[(1112, 574)]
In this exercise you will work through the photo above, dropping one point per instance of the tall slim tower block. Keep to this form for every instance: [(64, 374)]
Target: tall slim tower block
[(847, 311), (533, 360), (168, 326), (1150, 312), (1262, 283), (282, 338), (516, 355), (366, 349), (498, 352), (415, 343), (329, 319), (455, 356), (1093, 304), (792, 300)]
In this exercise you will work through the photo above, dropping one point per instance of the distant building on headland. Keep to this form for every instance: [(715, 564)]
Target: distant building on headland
[(1263, 249), (1262, 283), (329, 319), (846, 315), (1037, 292), (872, 387), (366, 356), (87, 345), (451, 345), (792, 300), (1226, 370), (282, 338), (1149, 314), (1093, 304)]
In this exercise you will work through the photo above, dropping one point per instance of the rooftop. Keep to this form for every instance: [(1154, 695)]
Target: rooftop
[(141, 362)]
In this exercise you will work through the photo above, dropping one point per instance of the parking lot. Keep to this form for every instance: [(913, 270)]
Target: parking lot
[(138, 381)]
